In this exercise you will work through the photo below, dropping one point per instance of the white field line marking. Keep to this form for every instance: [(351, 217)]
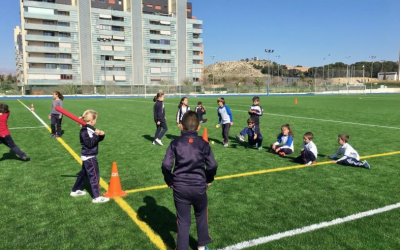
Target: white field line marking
[(33, 112), (304, 118), (263, 240), (27, 127)]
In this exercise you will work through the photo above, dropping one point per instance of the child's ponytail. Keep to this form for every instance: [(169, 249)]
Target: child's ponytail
[(159, 94)]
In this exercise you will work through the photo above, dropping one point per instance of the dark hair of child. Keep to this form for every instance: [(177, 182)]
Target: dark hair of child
[(190, 121), (256, 98), (3, 108), (199, 103), (289, 128), (221, 99), (250, 120), (181, 102), (309, 135), (60, 96), (157, 96), (344, 137)]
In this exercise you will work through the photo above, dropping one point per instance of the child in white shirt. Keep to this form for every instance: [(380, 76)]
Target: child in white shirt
[(350, 156)]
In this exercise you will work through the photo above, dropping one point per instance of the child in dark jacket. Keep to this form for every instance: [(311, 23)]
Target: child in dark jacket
[(201, 110), (159, 118), (89, 138), (254, 135), (184, 172), (5, 136)]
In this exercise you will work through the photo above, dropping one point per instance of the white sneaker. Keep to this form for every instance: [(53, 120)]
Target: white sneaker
[(154, 143), (100, 199), (77, 193), (226, 145), (309, 163), (159, 142), (240, 138)]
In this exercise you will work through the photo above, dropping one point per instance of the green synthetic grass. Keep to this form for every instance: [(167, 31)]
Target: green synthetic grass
[(38, 213)]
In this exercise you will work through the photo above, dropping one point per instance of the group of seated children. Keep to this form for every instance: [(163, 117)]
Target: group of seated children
[(284, 144)]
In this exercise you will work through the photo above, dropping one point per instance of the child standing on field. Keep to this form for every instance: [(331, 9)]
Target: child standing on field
[(159, 118), (183, 107), (189, 168), (201, 110), (255, 112), (284, 144), (350, 156), (55, 116), (309, 151), (5, 136), (89, 138), (255, 138), (225, 117)]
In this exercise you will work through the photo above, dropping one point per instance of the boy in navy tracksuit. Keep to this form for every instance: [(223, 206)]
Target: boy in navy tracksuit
[(89, 138), (255, 138), (255, 112), (184, 172)]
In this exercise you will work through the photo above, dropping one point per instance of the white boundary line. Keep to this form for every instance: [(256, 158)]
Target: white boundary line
[(304, 118), (33, 112), (263, 240), (27, 127)]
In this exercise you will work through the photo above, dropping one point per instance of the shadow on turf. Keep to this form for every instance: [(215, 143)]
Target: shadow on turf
[(162, 221), (10, 156)]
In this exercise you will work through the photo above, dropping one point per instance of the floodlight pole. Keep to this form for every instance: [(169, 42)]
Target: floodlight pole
[(105, 82), (347, 72), (372, 70), (212, 57), (278, 65), (269, 51)]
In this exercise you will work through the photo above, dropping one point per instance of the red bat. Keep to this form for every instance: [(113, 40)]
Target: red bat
[(70, 115)]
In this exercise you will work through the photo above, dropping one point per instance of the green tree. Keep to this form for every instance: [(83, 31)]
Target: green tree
[(259, 82)]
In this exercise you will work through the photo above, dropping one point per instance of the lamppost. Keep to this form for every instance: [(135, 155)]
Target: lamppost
[(105, 82), (323, 70), (363, 74), (278, 56), (328, 66), (372, 64), (212, 57), (269, 51), (382, 61), (347, 72)]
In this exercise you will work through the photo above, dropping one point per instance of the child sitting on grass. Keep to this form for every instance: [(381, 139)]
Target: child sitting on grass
[(189, 168), (309, 151), (255, 138), (350, 156), (284, 144)]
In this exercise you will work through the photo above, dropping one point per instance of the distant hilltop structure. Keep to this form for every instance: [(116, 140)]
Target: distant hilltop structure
[(301, 68)]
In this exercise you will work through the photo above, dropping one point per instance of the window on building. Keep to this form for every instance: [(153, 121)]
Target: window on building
[(197, 44), (46, 22), (165, 42), (102, 1), (157, 7), (196, 35), (64, 66), (154, 22), (48, 33), (63, 24), (62, 13), (119, 69), (66, 77), (47, 44), (149, 6), (197, 26), (63, 34), (155, 32), (197, 70), (196, 53), (50, 66), (117, 28), (105, 27), (65, 56), (49, 55), (197, 62), (154, 41), (196, 79)]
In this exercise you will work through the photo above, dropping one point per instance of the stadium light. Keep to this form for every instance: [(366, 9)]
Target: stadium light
[(104, 40), (269, 51)]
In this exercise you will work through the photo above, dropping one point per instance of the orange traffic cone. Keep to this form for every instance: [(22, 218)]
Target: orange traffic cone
[(295, 100), (32, 108), (205, 135), (114, 188)]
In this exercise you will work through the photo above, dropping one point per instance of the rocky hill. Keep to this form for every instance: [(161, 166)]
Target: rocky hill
[(236, 68)]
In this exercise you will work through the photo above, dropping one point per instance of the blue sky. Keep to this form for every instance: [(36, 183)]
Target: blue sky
[(302, 32)]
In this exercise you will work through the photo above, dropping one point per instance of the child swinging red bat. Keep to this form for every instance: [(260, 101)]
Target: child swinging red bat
[(70, 115)]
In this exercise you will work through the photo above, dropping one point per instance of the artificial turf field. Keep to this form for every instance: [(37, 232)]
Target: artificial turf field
[(38, 213)]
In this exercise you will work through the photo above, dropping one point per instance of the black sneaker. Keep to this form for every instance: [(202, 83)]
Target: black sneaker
[(25, 158)]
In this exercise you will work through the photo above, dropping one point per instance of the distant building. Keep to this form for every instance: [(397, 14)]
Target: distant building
[(302, 69), (391, 76), (135, 42)]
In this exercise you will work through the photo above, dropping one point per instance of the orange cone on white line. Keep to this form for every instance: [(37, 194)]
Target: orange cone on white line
[(32, 107)]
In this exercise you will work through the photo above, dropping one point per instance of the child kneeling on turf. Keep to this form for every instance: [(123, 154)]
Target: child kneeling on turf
[(255, 138), (350, 156), (284, 144), (184, 172), (89, 138), (309, 151)]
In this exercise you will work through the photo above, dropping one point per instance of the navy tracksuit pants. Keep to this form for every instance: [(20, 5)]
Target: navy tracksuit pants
[(56, 122), (161, 130), (9, 142), (349, 161), (185, 197), (90, 169)]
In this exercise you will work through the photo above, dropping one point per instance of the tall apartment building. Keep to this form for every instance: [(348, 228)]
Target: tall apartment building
[(98, 43)]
